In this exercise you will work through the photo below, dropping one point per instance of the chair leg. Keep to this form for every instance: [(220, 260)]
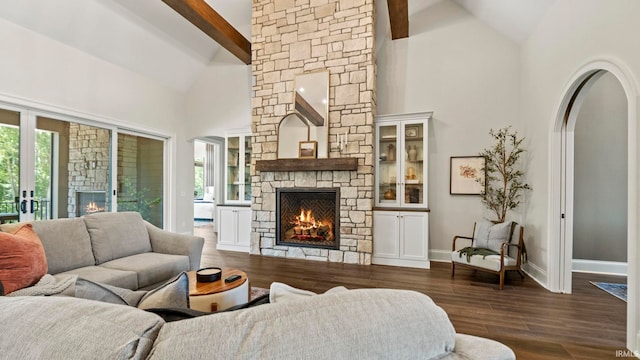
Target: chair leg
[(502, 279), (453, 268)]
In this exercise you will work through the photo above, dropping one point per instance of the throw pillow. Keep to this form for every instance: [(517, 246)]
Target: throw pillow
[(22, 259), (172, 294), (279, 292), (491, 236), (12, 227), (87, 289)]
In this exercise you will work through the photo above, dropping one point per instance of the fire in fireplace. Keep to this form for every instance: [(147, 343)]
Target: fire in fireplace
[(308, 217), (89, 202)]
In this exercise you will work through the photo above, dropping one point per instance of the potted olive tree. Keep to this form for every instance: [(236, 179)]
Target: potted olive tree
[(503, 176)]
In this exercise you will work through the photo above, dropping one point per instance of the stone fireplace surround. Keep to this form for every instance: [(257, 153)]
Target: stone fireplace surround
[(291, 37)]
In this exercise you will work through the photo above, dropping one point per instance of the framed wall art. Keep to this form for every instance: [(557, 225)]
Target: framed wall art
[(411, 131), (308, 149), (467, 175)]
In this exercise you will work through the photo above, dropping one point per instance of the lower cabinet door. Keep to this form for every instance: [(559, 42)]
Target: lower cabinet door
[(386, 230), (414, 227)]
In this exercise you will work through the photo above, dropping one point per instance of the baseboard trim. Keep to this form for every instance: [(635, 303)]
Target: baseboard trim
[(440, 255), (536, 273), (599, 267)]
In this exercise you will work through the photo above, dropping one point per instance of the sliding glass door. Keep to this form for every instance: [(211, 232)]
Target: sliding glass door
[(9, 165), (140, 176), (58, 167)]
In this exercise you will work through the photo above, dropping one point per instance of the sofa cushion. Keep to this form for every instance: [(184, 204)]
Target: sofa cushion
[(491, 236), (364, 324), (119, 278), (22, 259), (66, 243), (38, 327), (117, 234), (151, 267)]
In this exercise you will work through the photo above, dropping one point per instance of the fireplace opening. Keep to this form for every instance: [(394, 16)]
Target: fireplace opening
[(308, 217), (89, 202)]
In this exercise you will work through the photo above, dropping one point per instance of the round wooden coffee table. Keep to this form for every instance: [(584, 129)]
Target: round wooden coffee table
[(218, 295)]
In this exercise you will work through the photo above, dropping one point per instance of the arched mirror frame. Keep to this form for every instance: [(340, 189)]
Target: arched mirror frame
[(313, 109), (288, 148)]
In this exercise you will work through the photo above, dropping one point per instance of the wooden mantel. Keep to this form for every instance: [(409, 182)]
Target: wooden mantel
[(346, 164)]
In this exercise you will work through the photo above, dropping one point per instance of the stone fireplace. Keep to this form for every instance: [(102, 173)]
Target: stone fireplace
[(294, 37), (308, 217)]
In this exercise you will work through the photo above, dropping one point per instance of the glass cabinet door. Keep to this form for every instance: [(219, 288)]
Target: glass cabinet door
[(247, 169), (388, 190), (233, 168), (414, 169)]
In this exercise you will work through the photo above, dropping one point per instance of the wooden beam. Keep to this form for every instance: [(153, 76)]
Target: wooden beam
[(399, 18), (200, 14), (304, 108)]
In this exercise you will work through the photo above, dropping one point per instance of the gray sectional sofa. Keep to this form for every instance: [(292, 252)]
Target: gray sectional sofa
[(117, 248), (354, 324)]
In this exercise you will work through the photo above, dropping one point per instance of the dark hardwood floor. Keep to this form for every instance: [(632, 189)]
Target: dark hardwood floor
[(535, 323)]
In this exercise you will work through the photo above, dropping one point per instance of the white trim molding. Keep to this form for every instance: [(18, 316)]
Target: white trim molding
[(599, 267)]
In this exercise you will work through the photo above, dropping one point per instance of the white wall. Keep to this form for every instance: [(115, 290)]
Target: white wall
[(44, 71), (468, 75), (600, 185), (220, 99)]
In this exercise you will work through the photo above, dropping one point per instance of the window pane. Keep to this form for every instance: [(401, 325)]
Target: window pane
[(140, 176), (72, 173), (9, 164)]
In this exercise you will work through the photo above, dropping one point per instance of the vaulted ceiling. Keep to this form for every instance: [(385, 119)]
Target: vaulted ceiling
[(150, 38)]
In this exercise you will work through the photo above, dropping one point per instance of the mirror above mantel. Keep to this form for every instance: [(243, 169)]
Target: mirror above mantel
[(310, 121)]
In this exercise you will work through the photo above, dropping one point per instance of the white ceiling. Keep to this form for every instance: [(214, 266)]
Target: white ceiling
[(149, 38)]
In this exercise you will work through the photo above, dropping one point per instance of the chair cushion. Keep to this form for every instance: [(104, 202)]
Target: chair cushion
[(491, 236), (491, 262), (151, 267), (22, 259), (117, 234), (66, 243)]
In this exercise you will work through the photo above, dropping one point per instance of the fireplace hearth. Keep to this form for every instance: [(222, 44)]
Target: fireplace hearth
[(308, 217)]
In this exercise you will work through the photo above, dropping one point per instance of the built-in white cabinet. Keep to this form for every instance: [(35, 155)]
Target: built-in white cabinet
[(402, 160), (401, 213), (238, 168), (401, 238), (234, 229)]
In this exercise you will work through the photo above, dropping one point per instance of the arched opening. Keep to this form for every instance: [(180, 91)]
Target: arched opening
[(562, 191)]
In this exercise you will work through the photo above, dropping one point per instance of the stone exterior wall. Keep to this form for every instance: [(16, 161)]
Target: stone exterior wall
[(291, 37), (88, 162)]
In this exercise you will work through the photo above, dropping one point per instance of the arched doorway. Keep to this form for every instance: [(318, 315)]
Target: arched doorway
[(562, 181)]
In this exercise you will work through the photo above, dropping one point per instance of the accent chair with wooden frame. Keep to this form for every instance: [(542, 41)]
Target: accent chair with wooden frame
[(510, 249)]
